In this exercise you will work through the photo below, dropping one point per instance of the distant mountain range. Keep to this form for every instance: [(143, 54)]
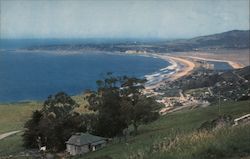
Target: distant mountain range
[(235, 39)]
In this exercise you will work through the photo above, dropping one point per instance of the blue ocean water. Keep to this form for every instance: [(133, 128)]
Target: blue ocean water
[(34, 76)]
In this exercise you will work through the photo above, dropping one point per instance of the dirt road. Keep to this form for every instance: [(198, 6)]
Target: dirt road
[(2, 136)]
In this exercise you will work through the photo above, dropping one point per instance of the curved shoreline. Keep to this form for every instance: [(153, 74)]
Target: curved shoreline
[(188, 66), (181, 67)]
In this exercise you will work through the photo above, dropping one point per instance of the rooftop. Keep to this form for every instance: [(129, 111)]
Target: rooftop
[(84, 139)]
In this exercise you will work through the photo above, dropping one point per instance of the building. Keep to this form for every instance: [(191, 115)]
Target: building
[(82, 143)]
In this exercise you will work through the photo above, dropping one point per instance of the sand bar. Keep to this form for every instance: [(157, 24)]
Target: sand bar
[(235, 65)]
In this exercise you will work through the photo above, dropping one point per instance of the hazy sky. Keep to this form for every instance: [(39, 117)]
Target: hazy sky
[(124, 18)]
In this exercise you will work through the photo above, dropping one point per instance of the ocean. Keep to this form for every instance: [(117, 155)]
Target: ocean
[(34, 76), (27, 75)]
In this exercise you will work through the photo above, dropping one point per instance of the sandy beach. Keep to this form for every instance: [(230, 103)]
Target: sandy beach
[(186, 70), (180, 66)]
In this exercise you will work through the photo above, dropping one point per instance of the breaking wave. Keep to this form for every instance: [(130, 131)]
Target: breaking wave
[(163, 74)]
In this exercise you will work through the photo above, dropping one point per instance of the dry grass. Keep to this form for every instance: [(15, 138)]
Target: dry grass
[(223, 143), (13, 116)]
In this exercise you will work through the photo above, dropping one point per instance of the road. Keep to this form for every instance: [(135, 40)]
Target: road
[(2, 136)]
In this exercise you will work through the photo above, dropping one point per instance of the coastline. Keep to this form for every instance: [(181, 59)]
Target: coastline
[(179, 67), (188, 66)]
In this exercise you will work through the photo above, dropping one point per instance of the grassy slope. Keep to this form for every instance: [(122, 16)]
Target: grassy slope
[(11, 145), (230, 142), (182, 123), (13, 116)]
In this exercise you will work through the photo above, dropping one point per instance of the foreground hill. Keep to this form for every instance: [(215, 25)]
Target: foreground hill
[(14, 115), (179, 128), (176, 136)]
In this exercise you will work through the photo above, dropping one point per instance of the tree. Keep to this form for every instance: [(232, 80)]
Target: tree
[(120, 102), (106, 102), (60, 104), (31, 133), (55, 123), (136, 108)]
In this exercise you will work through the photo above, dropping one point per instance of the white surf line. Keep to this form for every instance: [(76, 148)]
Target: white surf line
[(177, 66), (169, 73), (2, 136), (189, 66), (161, 75), (235, 65)]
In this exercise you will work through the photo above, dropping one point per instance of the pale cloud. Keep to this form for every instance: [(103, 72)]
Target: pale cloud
[(127, 18)]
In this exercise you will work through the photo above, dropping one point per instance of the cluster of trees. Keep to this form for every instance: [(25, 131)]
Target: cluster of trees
[(117, 104), (120, 102), (54, 123)]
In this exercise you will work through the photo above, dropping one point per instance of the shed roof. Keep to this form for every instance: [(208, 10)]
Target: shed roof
[(84, 139)]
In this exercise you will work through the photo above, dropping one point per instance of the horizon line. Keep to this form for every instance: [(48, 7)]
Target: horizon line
[(121, 38)]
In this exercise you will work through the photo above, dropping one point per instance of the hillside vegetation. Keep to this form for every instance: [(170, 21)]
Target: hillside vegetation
[(229, 142), (177, 129), (13, 115), (176, 136)]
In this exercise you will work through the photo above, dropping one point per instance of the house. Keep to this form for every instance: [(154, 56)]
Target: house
[(82, 143)]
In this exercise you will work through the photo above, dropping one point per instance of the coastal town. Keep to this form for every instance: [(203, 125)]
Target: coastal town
[(185, 89)]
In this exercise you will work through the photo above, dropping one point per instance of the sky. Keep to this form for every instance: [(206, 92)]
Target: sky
[(120, 19)]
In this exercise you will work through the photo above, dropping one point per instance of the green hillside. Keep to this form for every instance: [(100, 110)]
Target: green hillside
[(177, 129), (13, 115)]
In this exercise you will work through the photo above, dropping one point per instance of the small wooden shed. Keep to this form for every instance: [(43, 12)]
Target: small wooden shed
[(82, 143)]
